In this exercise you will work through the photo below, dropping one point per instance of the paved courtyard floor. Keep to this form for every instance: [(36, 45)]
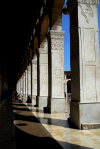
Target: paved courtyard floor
[(24, 126), (68, 137)]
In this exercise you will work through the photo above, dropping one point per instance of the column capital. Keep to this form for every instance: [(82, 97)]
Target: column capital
[(29, 68), (34, 60), (92, 2), (56, 38), (42, 50), (72, 3), (55, 34), (24, 74)]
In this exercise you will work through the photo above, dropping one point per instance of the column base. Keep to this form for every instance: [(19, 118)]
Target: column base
[(33, 99), (56, 105), (41, 101), (29, 99), (20, 96), (85, 115), (24, 98)]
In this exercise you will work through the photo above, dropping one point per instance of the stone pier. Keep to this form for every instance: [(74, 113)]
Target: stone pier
[(29, 83), (21, 87), (56, 100), (34, 79), (26, 80), (24, 87), (85, 102), (42, 73)]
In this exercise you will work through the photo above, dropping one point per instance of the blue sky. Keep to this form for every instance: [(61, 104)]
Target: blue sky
[(66, 27)]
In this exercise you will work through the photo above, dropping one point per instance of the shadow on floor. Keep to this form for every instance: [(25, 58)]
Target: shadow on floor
[(20, 131), (67, 145)]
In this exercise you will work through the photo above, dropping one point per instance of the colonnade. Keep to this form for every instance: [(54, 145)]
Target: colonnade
[(46, 71), (36, 82)]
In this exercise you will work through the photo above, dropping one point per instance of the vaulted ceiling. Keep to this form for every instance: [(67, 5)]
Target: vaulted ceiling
[(17, 23), (18, 20)]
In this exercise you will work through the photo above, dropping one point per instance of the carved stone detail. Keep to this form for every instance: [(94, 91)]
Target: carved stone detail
[(35, 81), (95, 2), (57, 34), (43, 58), (58, 72), (57, 44), (86, 11), (29, 68), (34, 61), (44, 79), (42, 50)]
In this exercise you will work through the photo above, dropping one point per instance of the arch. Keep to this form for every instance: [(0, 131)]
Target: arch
[(35, 44), (56, 21), (44, 30)]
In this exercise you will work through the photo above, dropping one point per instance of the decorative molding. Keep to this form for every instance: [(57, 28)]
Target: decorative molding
[(57, 34), (58, 72), (29, 68), (44, 79), (72, 3), (92, 2), (34, 61), (43, 59), (57, 44), (35, 81), (86, 11), (42, 50)]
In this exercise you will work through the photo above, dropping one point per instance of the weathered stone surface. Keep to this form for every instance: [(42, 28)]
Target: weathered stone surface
[(56, 105), (56, 71), (85, 113), (90, 126), (85, 105), (42, 73), (84, 53), (41, 101), (71, 4), (34, 79), (29, 80), (26, 80)]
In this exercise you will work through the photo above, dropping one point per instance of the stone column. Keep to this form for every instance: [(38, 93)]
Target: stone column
[(42, 73), (26, 84), (17, 86), (29, 82), (85, 102), (99, 78), (21, 93), (20, 88), (24, 87), (56, 100), (34, 79)]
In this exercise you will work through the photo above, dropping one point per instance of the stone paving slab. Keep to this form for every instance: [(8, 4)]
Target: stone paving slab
[(19, 128)]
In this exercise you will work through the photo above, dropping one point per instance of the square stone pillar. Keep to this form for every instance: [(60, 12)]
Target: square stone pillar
[(21, 91), (85, 102), (19, 87), (34, 79), (29, 82), (24, 87), (42, 75), (26, 80), (56, 100)]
